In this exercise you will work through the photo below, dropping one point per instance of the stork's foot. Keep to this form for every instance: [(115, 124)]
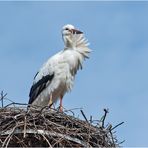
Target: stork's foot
[(60, 109)]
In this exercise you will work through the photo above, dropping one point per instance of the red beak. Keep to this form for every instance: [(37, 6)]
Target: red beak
[(75, 31)]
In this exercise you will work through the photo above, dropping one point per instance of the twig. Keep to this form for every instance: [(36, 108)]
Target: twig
[(24, 135), (46, 140), (117, 126), (13, 103), (8, 137), (71, 110), (8, 140), (112, 139), (84, 115), (121, 142), (91, 121), (3, 97), (104, 117), (88, 140)]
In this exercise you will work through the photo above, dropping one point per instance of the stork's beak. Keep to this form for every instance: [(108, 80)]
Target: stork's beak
[(75, 31)]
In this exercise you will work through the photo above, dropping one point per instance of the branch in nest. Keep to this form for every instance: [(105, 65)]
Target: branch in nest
[(104, 117), (3, 97), (116, 126), (84, 115)]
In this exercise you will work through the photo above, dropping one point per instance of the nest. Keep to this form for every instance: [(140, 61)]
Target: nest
[(44, 127)]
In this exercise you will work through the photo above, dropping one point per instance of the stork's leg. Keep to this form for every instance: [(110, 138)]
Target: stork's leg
[(61, 105), (50, 101)]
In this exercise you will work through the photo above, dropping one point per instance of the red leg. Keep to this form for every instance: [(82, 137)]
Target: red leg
[(61, 105)]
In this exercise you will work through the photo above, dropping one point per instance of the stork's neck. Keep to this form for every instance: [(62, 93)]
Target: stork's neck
[(68, 41), (78, 45), (74, 41)]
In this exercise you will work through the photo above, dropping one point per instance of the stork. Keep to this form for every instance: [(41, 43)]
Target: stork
[(56, 76)]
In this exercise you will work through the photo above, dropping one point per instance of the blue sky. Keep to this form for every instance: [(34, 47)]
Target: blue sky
[(114, 77)]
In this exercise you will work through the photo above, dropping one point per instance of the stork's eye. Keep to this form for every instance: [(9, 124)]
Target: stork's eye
[(66, 29)]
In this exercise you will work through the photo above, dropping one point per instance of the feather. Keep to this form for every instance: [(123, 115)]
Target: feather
[(38, 87)]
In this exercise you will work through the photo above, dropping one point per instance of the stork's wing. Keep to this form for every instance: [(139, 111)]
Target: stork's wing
[(38, 87)]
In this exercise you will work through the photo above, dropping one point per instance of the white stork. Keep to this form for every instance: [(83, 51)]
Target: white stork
[(56, 76)]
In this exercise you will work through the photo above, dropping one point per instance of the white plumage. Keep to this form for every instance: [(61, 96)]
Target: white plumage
[(56, 76)]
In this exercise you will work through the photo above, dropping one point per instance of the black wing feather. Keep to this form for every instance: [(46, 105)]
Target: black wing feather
[(38, 87)]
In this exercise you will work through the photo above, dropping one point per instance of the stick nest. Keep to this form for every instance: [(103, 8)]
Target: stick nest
[(44, 127)]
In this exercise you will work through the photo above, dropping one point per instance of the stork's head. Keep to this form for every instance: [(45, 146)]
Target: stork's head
[(69, 32)]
